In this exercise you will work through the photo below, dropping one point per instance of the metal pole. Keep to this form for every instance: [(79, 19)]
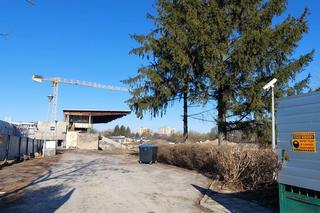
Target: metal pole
[(54, 102), (273, 122)]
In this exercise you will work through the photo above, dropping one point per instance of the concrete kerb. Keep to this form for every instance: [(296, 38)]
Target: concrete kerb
[(226, 203), (210, 204)]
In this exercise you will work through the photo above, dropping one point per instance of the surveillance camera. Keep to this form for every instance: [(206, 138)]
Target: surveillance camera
[(270, 84)]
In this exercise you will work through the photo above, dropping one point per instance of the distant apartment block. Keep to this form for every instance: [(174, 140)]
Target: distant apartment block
[(26, 129), (166, 130), (143, 131)]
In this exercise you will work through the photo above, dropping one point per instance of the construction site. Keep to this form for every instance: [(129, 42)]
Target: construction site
[(65, 152), (159, 106), (47, 160), (45, 137)]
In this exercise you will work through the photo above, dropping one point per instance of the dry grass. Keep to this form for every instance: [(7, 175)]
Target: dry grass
[(244, 168)]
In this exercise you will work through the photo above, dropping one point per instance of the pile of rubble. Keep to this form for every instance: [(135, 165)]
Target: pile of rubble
[(110, 145)]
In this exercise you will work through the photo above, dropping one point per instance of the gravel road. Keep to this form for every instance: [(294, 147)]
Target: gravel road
[(95, 182)]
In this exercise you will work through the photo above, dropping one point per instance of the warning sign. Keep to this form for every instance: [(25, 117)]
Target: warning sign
[(304, 142)]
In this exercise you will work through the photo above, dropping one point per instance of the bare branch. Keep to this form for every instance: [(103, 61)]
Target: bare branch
[(199, 113), (31, 2), (203, 120)]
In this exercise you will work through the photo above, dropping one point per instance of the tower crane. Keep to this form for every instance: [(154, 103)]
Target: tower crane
[(57, 80)]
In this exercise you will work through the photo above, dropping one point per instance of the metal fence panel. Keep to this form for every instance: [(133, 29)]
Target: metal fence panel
[(4, 140), (13, 151), (23, 146), (30, 146)]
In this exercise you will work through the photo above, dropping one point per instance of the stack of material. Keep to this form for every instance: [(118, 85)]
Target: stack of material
[(108, 144)]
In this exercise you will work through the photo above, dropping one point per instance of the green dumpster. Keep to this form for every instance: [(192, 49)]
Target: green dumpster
[(295, 199)]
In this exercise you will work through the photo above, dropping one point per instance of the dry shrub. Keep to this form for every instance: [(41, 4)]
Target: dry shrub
[(245, 167), (190, 156), (237, 166)]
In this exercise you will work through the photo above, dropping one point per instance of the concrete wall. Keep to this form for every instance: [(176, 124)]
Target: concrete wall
[(71, 139), (82, 140), (45, 132), (50, 148), (87, 141)]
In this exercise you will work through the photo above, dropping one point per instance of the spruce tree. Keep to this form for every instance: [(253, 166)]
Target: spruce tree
[(222, 51), (171, 73), (128, 132), (116, 131), (122, 130), (242, 50)]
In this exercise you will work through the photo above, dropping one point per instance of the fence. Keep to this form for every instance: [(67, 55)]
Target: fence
[(14, 147)]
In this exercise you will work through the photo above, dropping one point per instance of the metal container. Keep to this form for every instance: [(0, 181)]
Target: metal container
[(148, 153), (298, 149)]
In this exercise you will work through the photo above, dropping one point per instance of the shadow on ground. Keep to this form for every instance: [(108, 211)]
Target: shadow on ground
[(225, 198), (77, 170), (47, 199)]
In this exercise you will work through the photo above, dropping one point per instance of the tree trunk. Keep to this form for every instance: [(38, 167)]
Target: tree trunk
[(185, 117), (222, 117)]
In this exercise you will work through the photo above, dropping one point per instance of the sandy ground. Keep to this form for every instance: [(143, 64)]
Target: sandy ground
[(18, 176), (95, 182)]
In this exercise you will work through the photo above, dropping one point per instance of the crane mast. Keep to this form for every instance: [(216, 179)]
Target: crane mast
[(55, 83)]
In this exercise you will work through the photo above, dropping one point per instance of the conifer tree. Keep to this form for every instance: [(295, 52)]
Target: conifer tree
[(242, 50), (222, 51), (171, 73)]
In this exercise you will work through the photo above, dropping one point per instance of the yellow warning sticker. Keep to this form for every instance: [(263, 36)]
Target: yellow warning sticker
[(304, 142)]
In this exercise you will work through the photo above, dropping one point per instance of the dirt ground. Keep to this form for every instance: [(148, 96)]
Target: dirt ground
[(18, 176), (100, 182)]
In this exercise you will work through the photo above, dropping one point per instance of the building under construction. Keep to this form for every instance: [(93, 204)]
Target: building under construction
[(74, 130)]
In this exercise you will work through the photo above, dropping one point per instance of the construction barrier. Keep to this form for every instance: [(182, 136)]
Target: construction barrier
[(15, 147)]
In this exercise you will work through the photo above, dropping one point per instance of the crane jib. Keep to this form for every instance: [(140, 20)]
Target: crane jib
[(56, 81)]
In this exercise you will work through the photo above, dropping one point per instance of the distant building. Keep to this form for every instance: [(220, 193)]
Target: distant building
[(144, 131), (26, 129), (166, 130)]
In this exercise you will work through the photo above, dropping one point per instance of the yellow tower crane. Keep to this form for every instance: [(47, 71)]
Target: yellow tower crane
[(57, 80)]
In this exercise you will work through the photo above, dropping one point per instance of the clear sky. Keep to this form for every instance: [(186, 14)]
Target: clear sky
[(89, 40)]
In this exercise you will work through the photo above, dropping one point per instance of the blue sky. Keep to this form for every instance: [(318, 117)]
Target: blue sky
[(89, 40)]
